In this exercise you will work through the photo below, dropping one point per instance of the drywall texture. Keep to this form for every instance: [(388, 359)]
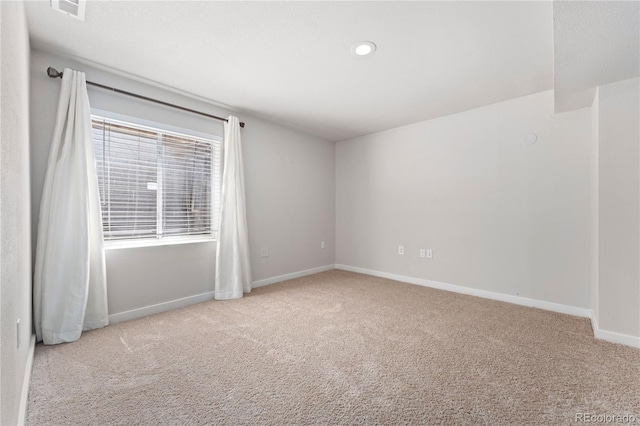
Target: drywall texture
[(15, 241), (498, 215), (619, 207), (289, 180), (594, 43)]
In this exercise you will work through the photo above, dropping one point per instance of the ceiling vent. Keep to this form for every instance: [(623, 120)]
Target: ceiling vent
[(74, 8)]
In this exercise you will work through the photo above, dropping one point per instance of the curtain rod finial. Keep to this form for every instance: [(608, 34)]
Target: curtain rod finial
[(53, 73)]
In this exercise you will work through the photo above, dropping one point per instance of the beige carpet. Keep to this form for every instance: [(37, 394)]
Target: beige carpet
[(337, 348)]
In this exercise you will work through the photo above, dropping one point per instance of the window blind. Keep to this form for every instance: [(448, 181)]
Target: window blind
[(155, 183)]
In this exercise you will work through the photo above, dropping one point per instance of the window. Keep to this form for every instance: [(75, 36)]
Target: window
[(156, 184)]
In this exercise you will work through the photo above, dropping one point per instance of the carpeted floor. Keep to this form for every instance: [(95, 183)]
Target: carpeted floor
[(337, 348)]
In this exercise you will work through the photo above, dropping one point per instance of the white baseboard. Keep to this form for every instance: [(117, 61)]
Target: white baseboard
[(612, 336), (608, 336), (198, 298), (160, 307), (518, 300), (24, 395), (285, 277)]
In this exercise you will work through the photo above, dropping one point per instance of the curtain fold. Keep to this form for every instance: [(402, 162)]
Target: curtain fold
[(233, 270), (70, 289)]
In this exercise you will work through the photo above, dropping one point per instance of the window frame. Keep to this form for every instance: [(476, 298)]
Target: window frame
[(162, 240)]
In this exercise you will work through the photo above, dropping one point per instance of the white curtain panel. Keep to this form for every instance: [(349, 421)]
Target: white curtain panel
[(233, 271), (70, 293)]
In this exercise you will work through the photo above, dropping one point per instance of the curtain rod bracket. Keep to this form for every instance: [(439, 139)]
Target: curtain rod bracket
[(54, 73)]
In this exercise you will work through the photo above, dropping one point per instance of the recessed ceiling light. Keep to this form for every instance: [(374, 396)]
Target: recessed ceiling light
[(363, 48)]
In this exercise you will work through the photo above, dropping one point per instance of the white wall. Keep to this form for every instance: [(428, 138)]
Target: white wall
[(15, 240), (595, 220), (499, 216), (619, 206), (290, 183)]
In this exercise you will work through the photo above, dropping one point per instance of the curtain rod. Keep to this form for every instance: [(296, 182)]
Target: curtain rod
[(53, 73)]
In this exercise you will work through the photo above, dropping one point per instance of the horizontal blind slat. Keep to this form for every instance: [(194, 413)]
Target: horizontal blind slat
[(137, 165)]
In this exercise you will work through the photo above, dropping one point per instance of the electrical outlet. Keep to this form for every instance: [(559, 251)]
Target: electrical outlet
[(429, 254), (264, 252), (401, 250), (321, 244), (423, 253)]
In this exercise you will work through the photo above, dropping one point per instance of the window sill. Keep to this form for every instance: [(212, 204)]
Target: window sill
[(170, 241)]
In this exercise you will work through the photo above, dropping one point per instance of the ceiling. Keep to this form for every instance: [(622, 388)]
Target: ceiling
[(595, 43), (290, 62)]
